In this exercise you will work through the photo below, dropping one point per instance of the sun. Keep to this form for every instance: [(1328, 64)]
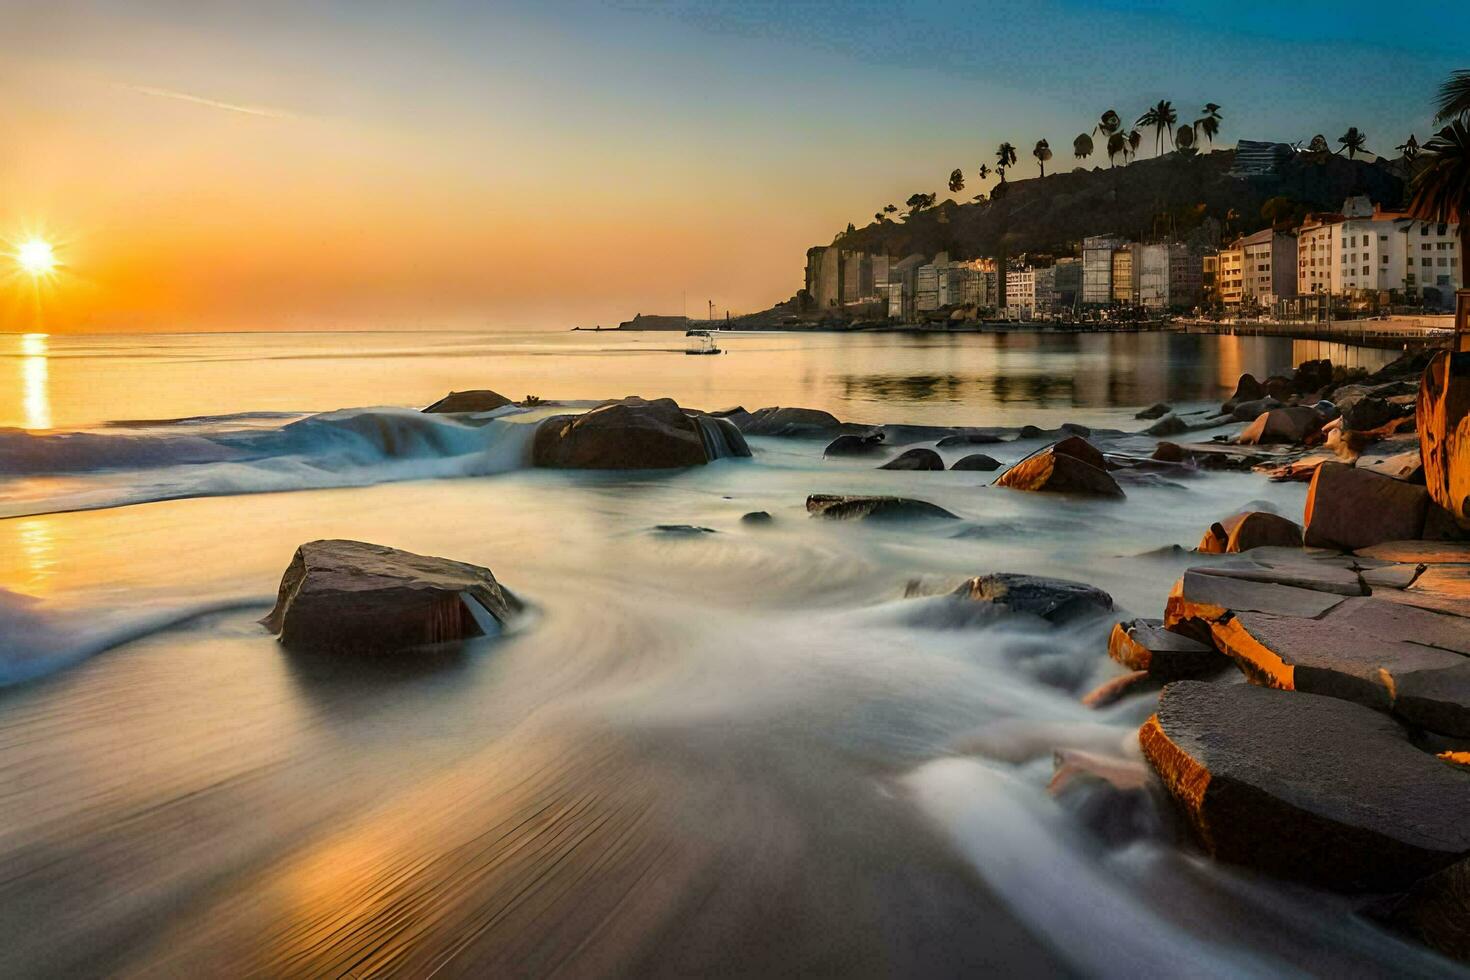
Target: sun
[(36, 257)]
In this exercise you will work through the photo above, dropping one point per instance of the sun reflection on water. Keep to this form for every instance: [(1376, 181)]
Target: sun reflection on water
[(35, 389)]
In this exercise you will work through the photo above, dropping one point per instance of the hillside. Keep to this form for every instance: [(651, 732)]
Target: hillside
[(1142, 200)]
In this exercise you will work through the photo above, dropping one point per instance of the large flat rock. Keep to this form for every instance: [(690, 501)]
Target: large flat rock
[(353, 597), (1401, 621), (1418, 552), (1303, 573), (1200, 595), (1306, 787), (1144, 644), (1322, 657), (1438, 700)]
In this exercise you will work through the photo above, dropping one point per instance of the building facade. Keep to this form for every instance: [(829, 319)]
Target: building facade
[(1169, 276), (1021, 293), (1316, 254), (1125, 276), (1259, 269), (1097, 269)]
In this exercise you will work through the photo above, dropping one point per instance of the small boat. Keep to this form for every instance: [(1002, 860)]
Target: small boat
[(700, 342)]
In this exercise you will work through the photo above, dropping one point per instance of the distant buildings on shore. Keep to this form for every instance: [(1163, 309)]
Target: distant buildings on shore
[(1363, 255)]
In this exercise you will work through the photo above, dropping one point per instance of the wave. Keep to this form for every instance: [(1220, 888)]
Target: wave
[(50, 472)]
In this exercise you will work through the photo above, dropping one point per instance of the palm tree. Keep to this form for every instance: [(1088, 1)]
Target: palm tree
[(1454, 97), (1082, 146), (1117, 143), (890, 209), (1353, 141), (1134, 139), (1042, 153), (1005, 156), (1409, 148), (956, 181), (1318, 145), (984, 171), (1209, 123), (1162, 118), (1442, 186), (1184, 140), (1108, 123)]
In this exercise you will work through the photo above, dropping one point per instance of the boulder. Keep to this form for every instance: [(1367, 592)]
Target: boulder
[(756, 517), (1054, 600), (478, 400), (1292, 424), (1443, 417), (353, 597), (1351, 508), (915, 459), (1312, 376), (1071, 466), (1169, 425), (848, 508), (969, 439), (628, 434), (1251, 529), (1144, 644), (977, 461), (1307, 787), (1250, 410), (1368, 413), (1169, 452), (1115, 689), (1436, 698), (864, 444), (1435, 911), (1155, 411), (1247, 388), (1076, 429), (807, 422)]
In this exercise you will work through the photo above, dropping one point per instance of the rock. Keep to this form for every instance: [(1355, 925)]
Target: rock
[(1252, 529), (1308, 787), (977, 461), (798, 422), (1209, 598), (1117, 799), (628, 434), (846, 508), (969, 439), (1169, 425), (1312, 375), (1144, 644), (1443, 416), (1030, 432), (1420, 552), (1301, 573), (855, 445), (479, 400), (1292, 424), (1322, 657), (1154, 411), (756, 517), (1070, 466), (1055, 600), (1169, 452), (689, 530), (1436, 699), (1249, 411), (352, 597), (1390, 576), (1442, 588), (1247, 388), (1406, 465), (1435, 911), (1368, 413), (1076, 429), (1394, 620), (915, 459), (1352, 508), (1115, 689)]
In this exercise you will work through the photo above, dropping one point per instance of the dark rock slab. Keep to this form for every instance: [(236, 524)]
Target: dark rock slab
[(848, 508), (1053, 599), (1442, 588), (1420, 552), (341, 596), (977, 462), (854, 444), (1368, 412), (970, 439), (1351, 508), (1302, 573), (1400, 621), (1435, 911), (1291, 424), (1323, 657), (1249, 411), (1390, 576), (1209, 598), (756, 517), (1155, 411), (478, 400), (1307, 787), (1169, 425), (915, 459), (1144, 644), (683, 530), (1436, 699), (627, 434)]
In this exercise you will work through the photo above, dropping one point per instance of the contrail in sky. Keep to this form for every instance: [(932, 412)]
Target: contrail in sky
[(249, 110)]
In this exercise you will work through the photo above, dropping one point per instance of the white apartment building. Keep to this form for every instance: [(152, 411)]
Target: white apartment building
[(1369, 250), (1020, 293), (1259, 269), (1316, 254)]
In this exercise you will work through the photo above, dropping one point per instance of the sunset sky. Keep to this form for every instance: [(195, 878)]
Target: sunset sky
[(464, 165)]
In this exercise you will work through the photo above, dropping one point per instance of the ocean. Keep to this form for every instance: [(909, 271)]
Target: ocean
[(751, 750)]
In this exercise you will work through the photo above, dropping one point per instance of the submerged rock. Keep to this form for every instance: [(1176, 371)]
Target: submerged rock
[(854, 444), (1155, 411), (1071, 466), (689, 530), (478, 400), (756, 517), (915, 459), (1115, 689), (1351, 508), (798, 422), (848, 508), (341, 596), (1435, 911), (1251, 529), (1169, 425), (977, 461), (632, 434), (969, 439), (1053, 599), (1306, 787), (1292, 424)]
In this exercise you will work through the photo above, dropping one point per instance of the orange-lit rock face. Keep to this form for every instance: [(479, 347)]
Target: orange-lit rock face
[(1250, 529), (1070, 466), (1351, 508), (1443, 412), (1146, 645)]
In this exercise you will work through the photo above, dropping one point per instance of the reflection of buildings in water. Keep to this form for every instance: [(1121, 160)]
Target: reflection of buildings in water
[(1229, 362), (35, 391)]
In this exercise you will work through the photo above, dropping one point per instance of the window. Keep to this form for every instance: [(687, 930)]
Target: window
[(1385, 260), (1424, 262), (1365, 270), (1383, 238), (1423, 229)]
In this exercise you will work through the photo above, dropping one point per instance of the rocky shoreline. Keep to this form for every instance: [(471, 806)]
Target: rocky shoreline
[(1313, 678)]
